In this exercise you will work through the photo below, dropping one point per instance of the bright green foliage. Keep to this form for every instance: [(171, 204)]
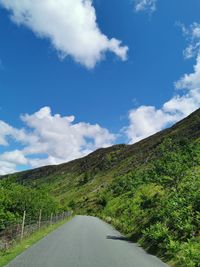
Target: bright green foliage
[(15, 199), (159, 204), (188, 254)]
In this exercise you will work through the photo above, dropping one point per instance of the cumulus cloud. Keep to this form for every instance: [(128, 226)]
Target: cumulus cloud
[(50, 139), (145, 5), (70, 25), (61, 138), (147, 120)]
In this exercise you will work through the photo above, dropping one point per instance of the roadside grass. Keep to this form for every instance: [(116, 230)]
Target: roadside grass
[(18, 248)]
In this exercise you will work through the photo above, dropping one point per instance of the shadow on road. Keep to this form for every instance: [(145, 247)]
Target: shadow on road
[(122, 238)]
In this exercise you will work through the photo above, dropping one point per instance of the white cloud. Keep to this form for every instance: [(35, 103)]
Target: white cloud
[(5, 131), (70, 25), (192, 33), (51, 139), (14, 157), (145, 5), (147, 120), (190, 81), (8, 131), (61, 138), (7, 167)]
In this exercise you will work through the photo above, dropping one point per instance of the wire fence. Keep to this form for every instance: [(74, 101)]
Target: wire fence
[(13, 234)]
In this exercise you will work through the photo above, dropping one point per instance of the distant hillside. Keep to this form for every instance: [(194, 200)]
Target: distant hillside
[(149, 190)]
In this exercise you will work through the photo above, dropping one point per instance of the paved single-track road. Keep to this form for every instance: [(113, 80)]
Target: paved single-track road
[(85, 242)]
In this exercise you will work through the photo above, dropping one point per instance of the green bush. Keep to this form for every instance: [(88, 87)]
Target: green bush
[(159, 203), (189, 254), (156, 237)]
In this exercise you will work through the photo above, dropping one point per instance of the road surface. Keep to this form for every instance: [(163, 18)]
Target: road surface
[(85, 242)]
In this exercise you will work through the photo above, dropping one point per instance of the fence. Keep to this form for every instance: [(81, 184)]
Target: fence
[(16, 233)]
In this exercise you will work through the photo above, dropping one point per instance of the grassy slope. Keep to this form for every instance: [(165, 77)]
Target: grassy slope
[(96, 171)]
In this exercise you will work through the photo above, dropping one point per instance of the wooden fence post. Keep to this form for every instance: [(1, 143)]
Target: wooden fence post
[(23, 223), (40, 217)]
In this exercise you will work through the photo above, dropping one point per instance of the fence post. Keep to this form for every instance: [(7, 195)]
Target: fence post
[(40, 217), (23, 223)]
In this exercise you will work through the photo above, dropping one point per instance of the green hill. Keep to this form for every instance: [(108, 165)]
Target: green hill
[(149, 190)]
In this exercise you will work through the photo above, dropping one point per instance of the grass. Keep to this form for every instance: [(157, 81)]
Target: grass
[(13, 252)]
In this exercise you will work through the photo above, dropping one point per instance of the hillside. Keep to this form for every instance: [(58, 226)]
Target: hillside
[(101, 166), (106, 159), (149, 190)]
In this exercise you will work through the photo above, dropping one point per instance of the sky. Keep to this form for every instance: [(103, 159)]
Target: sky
[(78, 75)]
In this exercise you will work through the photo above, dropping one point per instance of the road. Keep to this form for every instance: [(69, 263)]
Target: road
[(85, 242)]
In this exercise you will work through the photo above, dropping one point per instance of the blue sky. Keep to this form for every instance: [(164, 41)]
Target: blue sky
[(134, 71)]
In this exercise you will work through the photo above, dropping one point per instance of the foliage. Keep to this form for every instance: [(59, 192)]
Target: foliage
[(16, 198), (159, 204)]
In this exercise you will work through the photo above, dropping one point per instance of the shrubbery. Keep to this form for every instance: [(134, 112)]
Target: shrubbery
[(16, 198), (159, 203)]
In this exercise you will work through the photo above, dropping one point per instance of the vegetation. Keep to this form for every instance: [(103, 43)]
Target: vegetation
[(16, 198), (149, 190), (159, 204)]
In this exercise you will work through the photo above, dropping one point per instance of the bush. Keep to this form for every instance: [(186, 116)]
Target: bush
[(189, 254), (159, 203), (156, 237)]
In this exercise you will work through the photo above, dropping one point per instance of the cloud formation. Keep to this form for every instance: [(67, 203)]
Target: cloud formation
[(50, 139), (145, 5), (147, 120), (192, 33), (70, 25)]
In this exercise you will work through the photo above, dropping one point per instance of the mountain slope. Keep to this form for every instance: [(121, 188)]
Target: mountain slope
[(104, 164), (187, 128)]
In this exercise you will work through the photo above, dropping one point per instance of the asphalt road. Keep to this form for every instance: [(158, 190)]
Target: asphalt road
[(85, 242)]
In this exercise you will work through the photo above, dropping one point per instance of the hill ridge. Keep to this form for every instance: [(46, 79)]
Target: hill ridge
[(191, 131)]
